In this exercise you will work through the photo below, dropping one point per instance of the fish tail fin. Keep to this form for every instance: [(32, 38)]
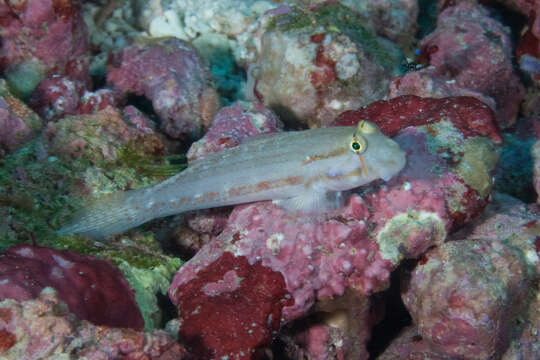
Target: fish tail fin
[(109, 215)]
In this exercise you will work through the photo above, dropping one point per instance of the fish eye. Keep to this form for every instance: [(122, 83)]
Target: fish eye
[(358, 144)]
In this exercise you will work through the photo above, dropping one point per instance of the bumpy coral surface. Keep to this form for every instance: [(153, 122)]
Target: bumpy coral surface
[(93, 289), (314, 63), (44, 328), (465, 295), (446, 180), (42, 38), (468, 54), (171, 75), (476, 296), (18, 123)]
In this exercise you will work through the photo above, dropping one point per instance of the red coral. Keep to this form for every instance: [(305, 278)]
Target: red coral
[(469, 115), (93, 289), (231, 307)]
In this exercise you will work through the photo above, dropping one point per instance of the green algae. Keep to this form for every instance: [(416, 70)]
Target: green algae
[(394, 239), (337, 18), (23, 77), (479, 159), (147, 283), (473, 159), (38, 193), (31, 192), (35, 201), (133, 156)]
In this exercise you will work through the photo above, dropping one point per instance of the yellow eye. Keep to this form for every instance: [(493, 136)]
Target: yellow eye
[(358, 144), (366, 127)]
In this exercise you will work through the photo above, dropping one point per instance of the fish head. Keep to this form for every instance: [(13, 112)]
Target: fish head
[(369, 155)]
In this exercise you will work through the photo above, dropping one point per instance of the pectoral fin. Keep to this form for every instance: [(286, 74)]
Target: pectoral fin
[(316, 202)]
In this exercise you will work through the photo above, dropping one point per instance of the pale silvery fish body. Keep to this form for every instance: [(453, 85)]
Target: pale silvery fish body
[(301, 169)]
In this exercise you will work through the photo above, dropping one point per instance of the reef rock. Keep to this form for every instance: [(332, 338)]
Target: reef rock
[(476, 296), (41, 39), (314, 63), (464, 297), (98, 138), (232, 124), (468, 54), (57, 97), (18, 123), (172, 76)]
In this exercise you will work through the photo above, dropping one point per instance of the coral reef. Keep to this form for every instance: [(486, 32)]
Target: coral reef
[(97, 138), (56, 97), (337, 329), (475, 296), (44, 328), (73, 158), (135, 98), (528, 46)]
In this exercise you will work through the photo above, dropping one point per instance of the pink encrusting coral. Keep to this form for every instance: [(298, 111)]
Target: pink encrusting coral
[(231, 291), (468, 54), (43, 38), (172, 76), (446, 180), (57, 97), (44, 328), (93, 289), (469, 115)]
